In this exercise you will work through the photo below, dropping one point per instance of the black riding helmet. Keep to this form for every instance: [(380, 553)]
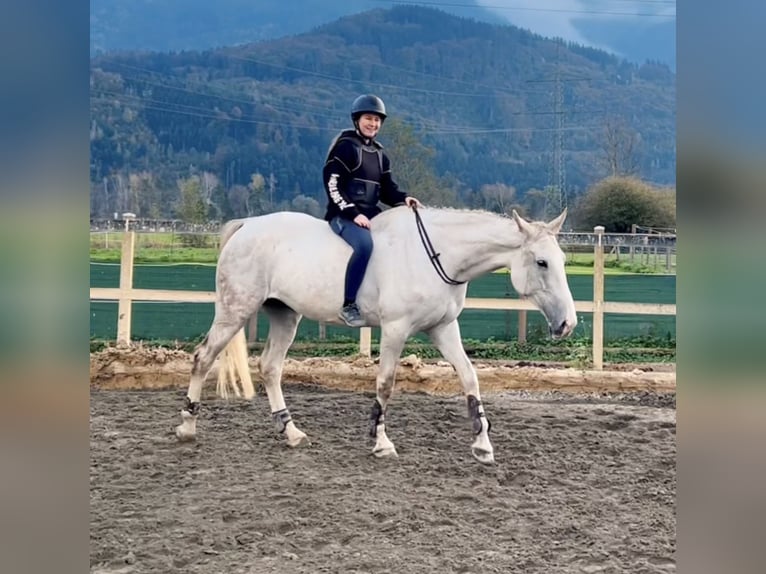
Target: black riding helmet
[(368, 104)]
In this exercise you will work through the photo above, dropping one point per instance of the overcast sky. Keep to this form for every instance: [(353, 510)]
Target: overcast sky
[(554, 18)]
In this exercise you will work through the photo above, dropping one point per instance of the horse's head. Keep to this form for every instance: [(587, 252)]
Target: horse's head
[(537, 273)]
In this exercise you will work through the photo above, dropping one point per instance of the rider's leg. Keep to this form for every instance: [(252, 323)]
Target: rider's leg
[(360, 240)]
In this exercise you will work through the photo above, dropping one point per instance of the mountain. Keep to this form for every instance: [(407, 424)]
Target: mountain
[(496, 104), (174, 25)]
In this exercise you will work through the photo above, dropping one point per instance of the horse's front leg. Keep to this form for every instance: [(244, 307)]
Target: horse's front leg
[(447, 340), (392, 340)]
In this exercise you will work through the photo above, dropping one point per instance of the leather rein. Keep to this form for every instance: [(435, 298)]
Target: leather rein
[(433, 256)]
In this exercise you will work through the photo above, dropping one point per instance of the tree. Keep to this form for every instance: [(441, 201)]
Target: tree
[(209, 185), (124, 198), (411, 165), (534, 203), (620, 148), (617, 203), (191, 207), (306, 204), (237, 199), (144, 189), (102, 198), (256, 199), (498, 197)]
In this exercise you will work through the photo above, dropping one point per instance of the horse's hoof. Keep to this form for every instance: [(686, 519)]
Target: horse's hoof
[(185, 436), (385, 452), (483, 456), (299, 441)]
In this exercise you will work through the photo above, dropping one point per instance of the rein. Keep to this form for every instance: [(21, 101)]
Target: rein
[(431, 252)]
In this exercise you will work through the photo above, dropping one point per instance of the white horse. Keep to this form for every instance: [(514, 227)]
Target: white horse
[(291, 265)]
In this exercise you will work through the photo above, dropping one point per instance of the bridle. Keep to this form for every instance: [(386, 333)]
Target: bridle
[(431, 252)]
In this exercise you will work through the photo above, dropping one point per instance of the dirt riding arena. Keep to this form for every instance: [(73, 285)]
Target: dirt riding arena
[(584, 480)]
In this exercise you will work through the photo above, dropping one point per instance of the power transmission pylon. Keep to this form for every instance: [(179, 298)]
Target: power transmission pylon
[(559, 164), (556, 197)]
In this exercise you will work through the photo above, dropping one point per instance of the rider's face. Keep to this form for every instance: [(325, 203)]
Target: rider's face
[(369, 124)]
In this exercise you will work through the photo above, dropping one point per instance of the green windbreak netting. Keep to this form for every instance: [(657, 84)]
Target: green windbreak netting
[(189, 321)]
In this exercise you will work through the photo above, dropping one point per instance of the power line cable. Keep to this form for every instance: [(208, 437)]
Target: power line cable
[(431, 130)]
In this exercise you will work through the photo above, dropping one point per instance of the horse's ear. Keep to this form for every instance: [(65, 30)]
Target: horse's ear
[(523, 224), (555, 225)]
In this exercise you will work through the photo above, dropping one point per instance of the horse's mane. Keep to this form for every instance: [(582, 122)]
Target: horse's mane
[(388, 216), (453, 210), (469, 211)]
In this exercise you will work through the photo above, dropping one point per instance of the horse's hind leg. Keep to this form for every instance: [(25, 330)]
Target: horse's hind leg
[(220, 333), (283, 324), (447, 340)]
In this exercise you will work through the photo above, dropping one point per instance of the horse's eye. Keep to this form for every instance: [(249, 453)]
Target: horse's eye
[(542, 263)]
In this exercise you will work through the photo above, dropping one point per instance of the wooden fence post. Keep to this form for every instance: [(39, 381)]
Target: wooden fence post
[(632, 242), (598, 300), (365, 341), (522, 326), (125, 305)]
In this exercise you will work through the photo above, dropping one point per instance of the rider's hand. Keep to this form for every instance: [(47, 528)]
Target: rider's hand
[(362, 221), (412, 202)]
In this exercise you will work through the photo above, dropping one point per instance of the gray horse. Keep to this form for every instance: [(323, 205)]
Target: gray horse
[(290, 265)]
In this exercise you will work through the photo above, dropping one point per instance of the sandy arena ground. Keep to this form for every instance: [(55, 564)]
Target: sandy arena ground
[(584, 481)]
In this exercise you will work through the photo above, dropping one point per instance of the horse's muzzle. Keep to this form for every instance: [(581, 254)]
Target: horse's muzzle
[(563, 330)]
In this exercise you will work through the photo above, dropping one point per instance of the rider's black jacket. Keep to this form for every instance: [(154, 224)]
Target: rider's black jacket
[(357, 175)]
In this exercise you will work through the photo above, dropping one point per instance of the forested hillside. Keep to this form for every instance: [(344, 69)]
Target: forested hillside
[(246, 128)]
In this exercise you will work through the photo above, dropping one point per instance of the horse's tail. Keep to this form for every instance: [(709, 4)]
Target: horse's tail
[(233, 365), (230, 228)]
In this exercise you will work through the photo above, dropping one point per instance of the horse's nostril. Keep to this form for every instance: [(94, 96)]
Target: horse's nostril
[(557, 330)]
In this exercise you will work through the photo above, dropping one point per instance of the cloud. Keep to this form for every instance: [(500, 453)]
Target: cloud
[(558, 18)]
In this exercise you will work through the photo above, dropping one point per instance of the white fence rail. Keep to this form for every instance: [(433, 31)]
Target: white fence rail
[(126, 294)]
